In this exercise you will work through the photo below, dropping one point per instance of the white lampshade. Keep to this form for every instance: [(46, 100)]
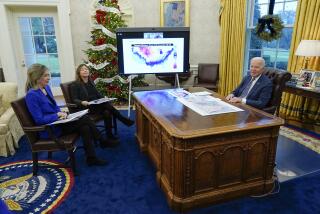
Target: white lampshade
[(308, 48)]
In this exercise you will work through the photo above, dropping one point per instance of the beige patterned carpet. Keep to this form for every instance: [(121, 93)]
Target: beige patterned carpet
[(309, 141)]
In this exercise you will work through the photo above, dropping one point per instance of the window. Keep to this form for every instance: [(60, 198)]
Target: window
[(39, 44), (276, 53)]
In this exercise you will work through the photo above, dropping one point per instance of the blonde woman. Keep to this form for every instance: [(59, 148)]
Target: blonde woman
[(44, 110)]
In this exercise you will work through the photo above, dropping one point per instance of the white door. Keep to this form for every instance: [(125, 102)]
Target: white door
[(38, 42)]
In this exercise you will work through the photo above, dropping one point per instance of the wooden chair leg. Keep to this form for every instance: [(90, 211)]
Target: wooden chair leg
[(49, 155), (73, 161), (35, 163)]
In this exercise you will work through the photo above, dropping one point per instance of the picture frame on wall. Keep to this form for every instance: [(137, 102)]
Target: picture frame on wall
[(174, 13)]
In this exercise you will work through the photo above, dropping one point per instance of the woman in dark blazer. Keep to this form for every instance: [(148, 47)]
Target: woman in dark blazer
[(44, 110), (83, 91)]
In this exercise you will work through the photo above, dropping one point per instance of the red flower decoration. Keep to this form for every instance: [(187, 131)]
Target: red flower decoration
[(100, 16), (100, 41), (94, 76), (114, 62)]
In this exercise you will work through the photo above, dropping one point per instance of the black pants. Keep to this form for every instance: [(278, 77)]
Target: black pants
[(108, 111), (87, 130)]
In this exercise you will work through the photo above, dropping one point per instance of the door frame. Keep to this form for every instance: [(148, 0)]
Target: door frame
[(8, 53)]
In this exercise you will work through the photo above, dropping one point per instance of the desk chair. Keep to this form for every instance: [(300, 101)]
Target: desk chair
[(279, 78), (63, 143), (208, 75), (66, 87)]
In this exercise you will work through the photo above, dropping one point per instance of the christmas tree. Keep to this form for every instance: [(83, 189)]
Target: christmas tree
[(102, 54)]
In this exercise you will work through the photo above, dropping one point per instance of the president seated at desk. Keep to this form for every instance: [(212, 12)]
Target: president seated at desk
[(255, 89)]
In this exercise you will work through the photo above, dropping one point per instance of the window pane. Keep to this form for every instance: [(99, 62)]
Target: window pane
[(282, 60), (54, 70), (51, 44), (278, 9), (39, 44), (285, 40), (54, 63), (27, 45), (24, 26), (255, 42), (272, 44), (43, 59), (262, 1), (37, 26), (259, 10), (269, 56), (48, 25), (289, 13)]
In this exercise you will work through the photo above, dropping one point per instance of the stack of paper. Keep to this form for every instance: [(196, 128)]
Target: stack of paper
[(72, 117)]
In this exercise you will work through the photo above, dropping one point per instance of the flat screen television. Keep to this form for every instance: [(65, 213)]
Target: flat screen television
[(159, 50)]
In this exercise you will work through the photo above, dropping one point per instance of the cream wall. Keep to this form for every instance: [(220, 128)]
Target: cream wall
[(204, 27)]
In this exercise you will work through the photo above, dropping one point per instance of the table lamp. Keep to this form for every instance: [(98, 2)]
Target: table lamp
[(308, 48)]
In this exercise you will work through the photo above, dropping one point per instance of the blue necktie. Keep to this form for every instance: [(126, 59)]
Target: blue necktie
[(245, 91)]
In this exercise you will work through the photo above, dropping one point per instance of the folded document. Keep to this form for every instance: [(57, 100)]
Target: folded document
[(71, 117), (101, 100)]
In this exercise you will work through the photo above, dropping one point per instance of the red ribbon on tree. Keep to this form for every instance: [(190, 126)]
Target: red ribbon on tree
[(100, 16)]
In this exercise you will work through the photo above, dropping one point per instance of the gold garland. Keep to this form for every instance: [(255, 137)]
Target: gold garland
[(269, 27)]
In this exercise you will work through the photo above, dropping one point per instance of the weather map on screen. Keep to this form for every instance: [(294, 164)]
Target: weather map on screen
[(159, 55), (159, 50)]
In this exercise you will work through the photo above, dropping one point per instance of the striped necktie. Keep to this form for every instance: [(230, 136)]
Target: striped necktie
[(245, 91)]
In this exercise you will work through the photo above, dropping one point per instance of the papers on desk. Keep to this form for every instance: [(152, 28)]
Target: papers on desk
[(203, 103), (179, 92), (101, 100), (71, 117), (202, 93)]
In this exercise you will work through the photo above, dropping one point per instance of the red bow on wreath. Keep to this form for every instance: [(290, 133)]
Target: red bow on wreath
[(101, 16)]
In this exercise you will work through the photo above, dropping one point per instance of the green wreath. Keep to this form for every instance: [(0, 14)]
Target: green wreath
[(269, 27)]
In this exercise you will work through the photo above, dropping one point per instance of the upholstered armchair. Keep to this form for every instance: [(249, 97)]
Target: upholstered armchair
[(10, 129), (279, 78), (208, 76)]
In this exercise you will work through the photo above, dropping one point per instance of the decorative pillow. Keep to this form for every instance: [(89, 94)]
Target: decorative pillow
[(2, 110)]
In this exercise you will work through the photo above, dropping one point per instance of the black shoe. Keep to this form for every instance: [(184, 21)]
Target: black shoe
[(94, 161), (110, 142)]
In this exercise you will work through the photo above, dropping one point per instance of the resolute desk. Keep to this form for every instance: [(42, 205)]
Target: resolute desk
[(204, 160)]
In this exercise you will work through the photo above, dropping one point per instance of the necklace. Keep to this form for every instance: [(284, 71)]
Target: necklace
[(44, 91)]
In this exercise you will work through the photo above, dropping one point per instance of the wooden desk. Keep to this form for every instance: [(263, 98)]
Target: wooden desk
[(304, 92), (206, 159)]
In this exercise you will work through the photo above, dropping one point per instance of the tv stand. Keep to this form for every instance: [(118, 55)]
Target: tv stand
[(177, 84)]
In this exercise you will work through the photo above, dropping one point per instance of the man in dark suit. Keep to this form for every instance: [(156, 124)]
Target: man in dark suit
[(255, 89)]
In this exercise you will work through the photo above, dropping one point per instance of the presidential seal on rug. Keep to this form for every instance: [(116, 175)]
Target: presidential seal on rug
[(24, 193)]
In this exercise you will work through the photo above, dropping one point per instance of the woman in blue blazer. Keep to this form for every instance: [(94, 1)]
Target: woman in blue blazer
[(44, 110)]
